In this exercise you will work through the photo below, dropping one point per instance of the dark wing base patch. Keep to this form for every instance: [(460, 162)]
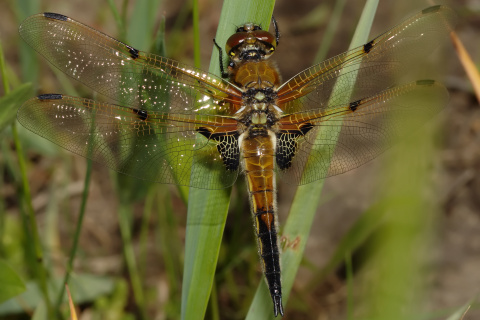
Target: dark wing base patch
[(227, 146), (287, 145)]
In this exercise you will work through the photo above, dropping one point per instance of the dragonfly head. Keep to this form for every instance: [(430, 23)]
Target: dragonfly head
[(249, 43)]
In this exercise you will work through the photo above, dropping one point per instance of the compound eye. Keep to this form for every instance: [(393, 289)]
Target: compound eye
[(266, 37), (235, 40)]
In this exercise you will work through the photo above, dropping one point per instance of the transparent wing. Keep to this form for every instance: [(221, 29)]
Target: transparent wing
[(150, 145), (342, 138), (135, 79), (369, 69), (342, 131)]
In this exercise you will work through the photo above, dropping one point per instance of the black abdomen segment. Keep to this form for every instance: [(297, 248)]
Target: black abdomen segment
[(266, 232)]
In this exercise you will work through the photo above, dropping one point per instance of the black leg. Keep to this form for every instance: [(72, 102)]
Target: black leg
[(220, 59), (277, 33)]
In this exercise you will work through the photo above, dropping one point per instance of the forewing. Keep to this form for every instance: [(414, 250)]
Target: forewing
[(345, 137), (376, 66), (150, 145), (133, 78)]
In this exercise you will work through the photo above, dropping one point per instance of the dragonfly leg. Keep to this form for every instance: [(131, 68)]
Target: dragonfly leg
[(220, 60)]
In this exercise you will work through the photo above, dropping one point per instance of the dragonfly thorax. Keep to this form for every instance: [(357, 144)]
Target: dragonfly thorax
[(259, 118), (258, 115), (259, 96), (259, 107)]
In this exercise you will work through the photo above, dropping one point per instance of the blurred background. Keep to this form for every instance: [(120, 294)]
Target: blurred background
[(451, 273)]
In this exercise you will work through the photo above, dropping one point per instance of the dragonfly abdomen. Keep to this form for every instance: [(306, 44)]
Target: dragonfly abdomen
[(258, 159)]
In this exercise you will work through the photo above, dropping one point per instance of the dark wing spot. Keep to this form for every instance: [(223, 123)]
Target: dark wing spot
[(286, 149), (368, 46), (354, 105), (49, 96), (142, 114), (227, 146), (287, 145), (133, 52), (55, 16)]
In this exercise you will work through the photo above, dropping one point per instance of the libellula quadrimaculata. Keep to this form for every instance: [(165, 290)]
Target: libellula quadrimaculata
[(181, 125)]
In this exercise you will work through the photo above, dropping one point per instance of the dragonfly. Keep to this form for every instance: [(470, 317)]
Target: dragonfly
[(176, 124)]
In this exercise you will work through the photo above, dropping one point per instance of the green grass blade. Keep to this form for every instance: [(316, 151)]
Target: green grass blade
[(124, 218), (349, 276), (118, 20), (329, 32), (11, 101), (207, 212), (207, 209), (40, 312), (196, 34), (28, 57), (78, 225), (304, 207), (140, 31), (460, 313)]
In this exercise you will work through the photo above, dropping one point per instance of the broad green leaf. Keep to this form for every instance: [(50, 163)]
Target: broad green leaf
[(11, 284), (84, 288)]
